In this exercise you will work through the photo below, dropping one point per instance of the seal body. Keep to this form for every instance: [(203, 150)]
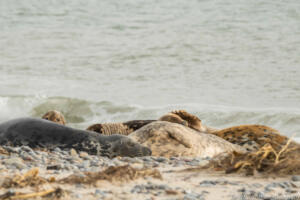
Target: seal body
[(171, 139), (46, 134), (252, 137), (123, 128)]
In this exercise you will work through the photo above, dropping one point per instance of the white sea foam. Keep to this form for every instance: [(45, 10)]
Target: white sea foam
[(81, 113)]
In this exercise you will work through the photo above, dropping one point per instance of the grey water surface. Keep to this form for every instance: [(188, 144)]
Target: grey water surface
[(229, 62)]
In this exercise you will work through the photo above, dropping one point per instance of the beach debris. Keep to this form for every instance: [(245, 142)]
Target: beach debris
[(15, 162), (94, 176), (245, 193), (3, 151), (113, 174), (55, 193), (150, 187), (30, 178), (172, 192), (73, 153), (296, 178), (189, 195), (84, 155), (266, 160), (55, 167)]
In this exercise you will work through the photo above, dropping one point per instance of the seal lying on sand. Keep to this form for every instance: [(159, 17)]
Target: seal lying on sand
[(125, 128), (55, 116), (42, 133), (171, 139), (253, 137)]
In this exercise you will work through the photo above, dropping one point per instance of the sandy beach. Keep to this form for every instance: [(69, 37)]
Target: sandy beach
[(75, 175)]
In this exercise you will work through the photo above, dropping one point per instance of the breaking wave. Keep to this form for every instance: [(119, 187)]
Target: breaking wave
[(81, 113)]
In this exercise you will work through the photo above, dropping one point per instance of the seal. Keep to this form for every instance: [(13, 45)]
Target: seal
[(172, 140), (174, 118), (253, 136), (38, 133), (55, 116), (124, 128), (250, 137), (187, 119)]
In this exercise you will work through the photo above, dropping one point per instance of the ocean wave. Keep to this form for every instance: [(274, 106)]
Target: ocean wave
[(81, 113)]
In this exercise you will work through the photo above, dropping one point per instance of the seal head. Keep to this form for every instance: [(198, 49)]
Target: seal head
[(55, 116), (187, 119), (126, 147)]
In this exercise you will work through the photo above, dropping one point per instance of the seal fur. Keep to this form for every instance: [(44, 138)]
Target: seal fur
[(46, 134), (187, 119), (252, 137), (124, 128), (55, 116), (170, 139)]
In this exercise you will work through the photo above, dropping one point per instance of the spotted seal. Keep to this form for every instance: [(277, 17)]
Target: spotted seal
[(252, 136), (46, 134), (187, 119), (171, 139), (125, 128), (55, 116)]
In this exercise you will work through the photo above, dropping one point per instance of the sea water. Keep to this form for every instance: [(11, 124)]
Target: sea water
[(229, 62)]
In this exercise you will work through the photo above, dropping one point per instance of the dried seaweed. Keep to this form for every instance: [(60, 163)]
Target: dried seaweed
[(3, 151), (50, 194), (113, 174), (266, 160), (30, 178)]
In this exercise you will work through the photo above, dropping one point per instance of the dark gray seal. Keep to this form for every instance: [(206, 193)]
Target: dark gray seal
[(38, 133)]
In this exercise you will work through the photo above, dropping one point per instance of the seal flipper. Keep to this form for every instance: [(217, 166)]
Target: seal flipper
[(180, 138)]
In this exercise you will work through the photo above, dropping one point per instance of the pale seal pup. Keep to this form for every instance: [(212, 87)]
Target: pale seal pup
[(42, 133), (170, 139), (251, 137)]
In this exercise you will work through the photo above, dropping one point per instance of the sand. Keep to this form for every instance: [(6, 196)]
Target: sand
[(179, 179)]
